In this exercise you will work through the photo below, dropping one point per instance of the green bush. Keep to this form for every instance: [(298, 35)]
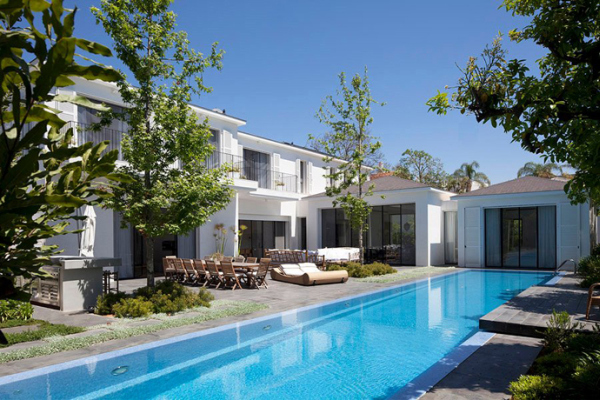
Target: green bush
[(587, 376), (356, 270), (105, 302), (133, 308), (536, 387), (15, 310), (589, 270), (595, 251), (560, 330), (555, 364)]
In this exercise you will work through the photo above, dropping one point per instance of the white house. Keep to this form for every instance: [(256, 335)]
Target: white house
[(279, 196)]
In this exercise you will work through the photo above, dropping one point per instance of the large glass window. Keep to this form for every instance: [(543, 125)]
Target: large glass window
[(261, 236), (256, 167), (87, 117), (390, 237), (521, 237)]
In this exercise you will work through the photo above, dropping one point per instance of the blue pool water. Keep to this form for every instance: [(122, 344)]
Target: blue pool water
[(366, 347)]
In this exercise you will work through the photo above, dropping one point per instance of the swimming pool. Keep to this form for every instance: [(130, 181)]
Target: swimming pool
[(367, 346)]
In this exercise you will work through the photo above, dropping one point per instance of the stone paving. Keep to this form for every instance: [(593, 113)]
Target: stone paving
[(279, 297), (486, 374), (529, 312)]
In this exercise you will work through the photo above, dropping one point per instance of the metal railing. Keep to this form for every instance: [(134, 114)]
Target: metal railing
[(566, 261), (84, 133)]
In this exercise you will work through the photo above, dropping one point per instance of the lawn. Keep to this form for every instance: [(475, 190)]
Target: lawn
[(44, 330)]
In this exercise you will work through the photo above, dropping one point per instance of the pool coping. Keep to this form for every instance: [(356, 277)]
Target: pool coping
[(164, 342)]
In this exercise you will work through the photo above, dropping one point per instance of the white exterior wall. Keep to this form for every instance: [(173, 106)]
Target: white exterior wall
[(558, 199), (428, 202)]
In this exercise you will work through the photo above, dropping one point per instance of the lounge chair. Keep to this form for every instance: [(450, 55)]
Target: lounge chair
[(592, 300), (307, 274)]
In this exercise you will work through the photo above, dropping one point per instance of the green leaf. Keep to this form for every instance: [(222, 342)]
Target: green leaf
[(64, 200), (81, 101), (93, 47)]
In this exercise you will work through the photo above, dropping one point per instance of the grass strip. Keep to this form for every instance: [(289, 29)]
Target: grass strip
[(44, 330), (59, 344), (12, 323), (403, 275)]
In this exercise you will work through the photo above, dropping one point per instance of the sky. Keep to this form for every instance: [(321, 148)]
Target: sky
[(282, 59)]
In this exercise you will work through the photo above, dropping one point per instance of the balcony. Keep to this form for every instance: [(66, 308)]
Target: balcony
[(238, 168), (84, 133)]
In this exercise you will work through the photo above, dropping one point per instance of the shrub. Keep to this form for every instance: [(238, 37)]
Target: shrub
[(587, 376), (555, 364), (589, 270), (536, 387), (133, 308), (170, 297), (15, 310), (356, 270), (595, 251), (105, 302), (560, 330)]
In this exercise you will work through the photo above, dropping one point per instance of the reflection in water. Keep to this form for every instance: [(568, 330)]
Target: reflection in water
[(367, 350)]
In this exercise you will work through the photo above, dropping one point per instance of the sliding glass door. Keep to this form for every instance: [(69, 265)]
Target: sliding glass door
[(260, 236), (522, 237)]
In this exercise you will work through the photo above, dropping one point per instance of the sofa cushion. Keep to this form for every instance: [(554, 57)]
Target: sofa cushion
[(292, 269), (309, 267)]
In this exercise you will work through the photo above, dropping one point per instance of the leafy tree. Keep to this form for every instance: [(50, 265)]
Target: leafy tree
[(345, 150), (172, 191), (467, 174), (420, 166), (348, 118), (44, 178), (546, 170), (554, 112)]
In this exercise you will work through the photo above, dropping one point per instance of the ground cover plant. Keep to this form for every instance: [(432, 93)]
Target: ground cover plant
[(356, 270), (15, 310), (568, 367), (125, 328), (44, 330), (165, 297)]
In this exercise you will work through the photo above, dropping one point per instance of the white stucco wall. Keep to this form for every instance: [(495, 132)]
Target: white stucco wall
[(428, 202), (555, 198)]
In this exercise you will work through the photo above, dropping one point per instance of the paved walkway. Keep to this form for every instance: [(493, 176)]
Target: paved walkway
[(529, 312), (486, 374), (279, 297)]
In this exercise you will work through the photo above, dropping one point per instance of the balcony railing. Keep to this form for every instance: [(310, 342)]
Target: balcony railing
[(84, 133)]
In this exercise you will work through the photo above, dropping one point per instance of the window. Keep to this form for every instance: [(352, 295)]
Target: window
[(303, 179), (256, 167), (113, 132), (262, 235)]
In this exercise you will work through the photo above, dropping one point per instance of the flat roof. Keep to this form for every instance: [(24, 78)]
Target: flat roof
[(385, 184)]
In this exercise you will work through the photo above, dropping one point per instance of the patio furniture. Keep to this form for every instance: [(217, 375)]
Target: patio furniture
[(258, 278), (340, 254), (202, 273), (239, 259), (180, 273), (251, 259), (109, 274), (230, 278), (215, 276), (307, 275), (227, 259), (593, 300), (169, 268), (190, 272)]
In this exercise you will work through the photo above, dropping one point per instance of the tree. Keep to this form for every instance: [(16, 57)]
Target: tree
[(420, 166), (345, 150), (467, 174), (554, 112), (164, 132), (348, 118), (44, 178), (546, 170)]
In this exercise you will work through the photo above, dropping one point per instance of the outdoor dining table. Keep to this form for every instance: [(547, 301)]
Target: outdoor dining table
[(249, 267)]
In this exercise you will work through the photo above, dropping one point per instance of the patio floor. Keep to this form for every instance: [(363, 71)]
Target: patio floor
[(279, 297), (528, 313)]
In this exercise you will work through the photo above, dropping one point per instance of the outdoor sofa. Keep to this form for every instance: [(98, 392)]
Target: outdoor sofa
[(307, 274)]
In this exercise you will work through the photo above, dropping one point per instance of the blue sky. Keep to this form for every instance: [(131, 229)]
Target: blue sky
[(283, 57)]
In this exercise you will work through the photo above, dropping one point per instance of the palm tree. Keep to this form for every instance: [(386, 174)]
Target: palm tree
[(467, 173), (540, 170)]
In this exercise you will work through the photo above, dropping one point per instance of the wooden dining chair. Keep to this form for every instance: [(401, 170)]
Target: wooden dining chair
[(215, 276), (230, 277), (203, 277), (228, 259), (179, 269), (267, 261), (169, 268), (190, 272), (593, 300), (251, 260), (258, 278), (239, 259)]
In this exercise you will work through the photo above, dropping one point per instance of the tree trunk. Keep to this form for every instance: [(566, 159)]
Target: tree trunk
[(149, 242), (360, 244)]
